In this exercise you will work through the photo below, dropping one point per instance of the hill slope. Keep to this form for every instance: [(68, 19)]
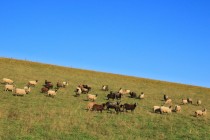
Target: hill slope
[(36, 116)]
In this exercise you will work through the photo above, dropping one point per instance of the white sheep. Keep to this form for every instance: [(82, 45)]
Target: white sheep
[(198, 102), (20, 92), (32, 83), (90, 105), (200, 112), (52, 93), (164, 109), (142, 95), (184, 101), (156, 108), (65, 83), (177, 108), (92, 97), (9, 87), (7, 81), (124, 91)]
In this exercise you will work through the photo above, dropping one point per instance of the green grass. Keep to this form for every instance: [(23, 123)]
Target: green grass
[(36, 116)]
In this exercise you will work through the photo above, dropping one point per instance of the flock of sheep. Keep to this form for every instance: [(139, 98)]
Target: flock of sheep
[(85, 89)]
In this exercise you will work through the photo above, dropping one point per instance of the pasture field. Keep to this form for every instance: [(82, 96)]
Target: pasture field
[(36, 116)]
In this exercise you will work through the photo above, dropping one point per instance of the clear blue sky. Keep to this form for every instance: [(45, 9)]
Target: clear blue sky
[(158, 39)]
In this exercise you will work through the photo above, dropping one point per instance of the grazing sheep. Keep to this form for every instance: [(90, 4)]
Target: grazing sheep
[(164, 109), (97, 107), (132, 94), (198, 102), (124, 91), (184, 101), (200, 112), (9, 87), (90, 105), (168, 101), (92, 97), (52, 93), (131, 107), (7, 81), (177, 108), (156, 109), (105, 88), (32, 83), (20, 92), (165, 97), (141, 96), (189, 100), (44, 90)]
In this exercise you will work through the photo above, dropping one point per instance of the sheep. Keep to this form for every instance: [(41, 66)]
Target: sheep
[(164, 109), (91, 97), (177, 108), (156, 109), (7, 81), (78, 91), (184, 101), (105, 88), (44, 90), (32, 83), (52, 93), (131, 107), (47, 82), (20, 92), (90, 105), (124, 91), (189, 100), (62, 84), (97, 107), (200, 112), (118, 95), (165, 97), (198, 102), (132, 94), (168, 101), (8, 87), (113, 105), (141, 96), (111, 95)]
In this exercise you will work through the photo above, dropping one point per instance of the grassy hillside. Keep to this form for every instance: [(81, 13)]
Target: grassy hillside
[(36, 116)]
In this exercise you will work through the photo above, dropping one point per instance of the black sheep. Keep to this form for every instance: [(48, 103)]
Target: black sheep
[(131, 107), (97, 107)]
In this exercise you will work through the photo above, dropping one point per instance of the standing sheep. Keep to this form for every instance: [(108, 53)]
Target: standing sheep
[(91, 97), (184, 101), (198, 102), (52, 93), (32, 83), (177, 108), (20, 92), (200, 112), (90, 105), (7, 81), (9, 87), (189, 100)]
